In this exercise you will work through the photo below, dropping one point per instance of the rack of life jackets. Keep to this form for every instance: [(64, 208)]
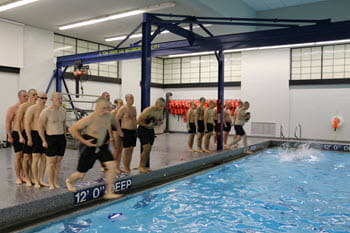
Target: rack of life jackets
[(180, 107)]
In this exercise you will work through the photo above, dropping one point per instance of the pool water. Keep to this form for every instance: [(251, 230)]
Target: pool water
[(277, 190)]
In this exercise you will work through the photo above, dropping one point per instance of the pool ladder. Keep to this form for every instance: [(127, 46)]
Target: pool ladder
[(298, 126), (281, 132)]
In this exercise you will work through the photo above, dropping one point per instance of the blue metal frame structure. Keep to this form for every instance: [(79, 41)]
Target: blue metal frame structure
[(289, 32)]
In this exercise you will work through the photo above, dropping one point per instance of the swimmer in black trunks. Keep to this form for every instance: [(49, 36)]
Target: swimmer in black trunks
[(208, 124), (191, 126), (27, 150), (53, 120), (227, 122), (31, 123), (117, 141), (240, 119), (12, 134), (127, 116), (200, 123), (150, 117), (94, 145)]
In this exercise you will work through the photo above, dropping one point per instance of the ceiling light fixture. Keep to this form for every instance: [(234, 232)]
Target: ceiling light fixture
[(118, 15), (15, 4), (191, 54), (139, 35)]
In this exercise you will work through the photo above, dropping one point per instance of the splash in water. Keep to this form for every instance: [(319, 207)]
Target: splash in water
[(300, 152)]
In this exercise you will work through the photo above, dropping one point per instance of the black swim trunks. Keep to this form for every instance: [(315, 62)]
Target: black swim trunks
[(239, 130), (56, 145), (146, 135), (129, 139), (17, 146), (26, 149), (192, 128), (200, 126), (37, 143), (88, 155), (228, 126), (210, 128)]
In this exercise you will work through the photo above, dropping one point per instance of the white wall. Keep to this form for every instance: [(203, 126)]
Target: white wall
[(11, 44), (8, 91), (38, 59), (265, 75), (32, 50), (313, 108)]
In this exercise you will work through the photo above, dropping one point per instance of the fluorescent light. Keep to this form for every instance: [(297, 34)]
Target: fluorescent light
[(62, 48), (118, 15), (332, 42), (191, 54), (15, 4), (139, 35)]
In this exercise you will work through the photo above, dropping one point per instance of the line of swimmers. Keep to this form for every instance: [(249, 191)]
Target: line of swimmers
[(38, 135), (202, 121)]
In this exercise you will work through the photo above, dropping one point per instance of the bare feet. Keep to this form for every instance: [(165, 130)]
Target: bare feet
[(118, 170), (57, 186), (37, 185), (112, 196), (28, 183), (42, 183), (235, 145), (70, 187), (144, 170), (249, 152), (191, 150), (51, 187), (207, 151), (19, 181), (227, 147)]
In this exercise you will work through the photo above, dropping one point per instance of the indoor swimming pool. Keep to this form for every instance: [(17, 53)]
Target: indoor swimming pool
[(277, 190)]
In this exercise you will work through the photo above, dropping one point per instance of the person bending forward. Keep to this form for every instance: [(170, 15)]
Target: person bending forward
[(94, 145)]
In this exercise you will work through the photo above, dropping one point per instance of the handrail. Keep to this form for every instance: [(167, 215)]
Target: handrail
[(281, 132), (296, 129)]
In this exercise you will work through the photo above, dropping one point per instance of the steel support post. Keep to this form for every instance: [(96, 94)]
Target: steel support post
[(59, 75), (146, 67), (220, 102), (167, 98)]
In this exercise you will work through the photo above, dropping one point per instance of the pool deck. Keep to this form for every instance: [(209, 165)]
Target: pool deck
[(20, 205)]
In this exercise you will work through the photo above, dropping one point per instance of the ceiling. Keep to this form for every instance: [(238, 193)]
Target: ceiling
[(49, 14), (261, 5)]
